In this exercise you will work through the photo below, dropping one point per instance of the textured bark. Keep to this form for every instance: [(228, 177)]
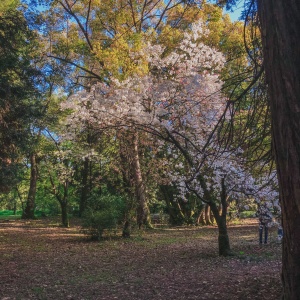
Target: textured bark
[(280, 23), (28, 212), (223, 238), (220, 216), (85, 187), (64, 213), (62, 198), (143, 216), (205, 216), (207, 213)]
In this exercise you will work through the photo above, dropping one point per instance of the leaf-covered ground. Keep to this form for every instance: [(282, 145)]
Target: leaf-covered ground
[(40, 260)]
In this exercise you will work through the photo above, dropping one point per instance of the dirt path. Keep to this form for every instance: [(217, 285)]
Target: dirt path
[(39, 260)]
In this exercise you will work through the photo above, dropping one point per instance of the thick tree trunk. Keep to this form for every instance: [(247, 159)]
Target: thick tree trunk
[(143, 216), (28, 212), (280, 23), (223, 239), (64, 213)]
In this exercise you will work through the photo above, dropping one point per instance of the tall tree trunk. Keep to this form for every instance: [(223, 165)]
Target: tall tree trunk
[(28, 212), (207, 215), (64, 204), (280, 23), (143, 216), (64, 213), (223, 238), (85, 187), (62, 198), (128, 180)]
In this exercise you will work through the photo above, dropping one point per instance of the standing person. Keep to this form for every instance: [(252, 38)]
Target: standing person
[(279, 231), (265, 218)]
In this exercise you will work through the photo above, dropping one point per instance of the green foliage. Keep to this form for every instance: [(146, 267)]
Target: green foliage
[(247, 214), (19, 105), (10, 213), (181, 211), (6, 5), (241, 209), (46, 205), (104, 212)]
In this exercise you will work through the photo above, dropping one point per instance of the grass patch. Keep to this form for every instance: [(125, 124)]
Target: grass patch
[(9, 215)]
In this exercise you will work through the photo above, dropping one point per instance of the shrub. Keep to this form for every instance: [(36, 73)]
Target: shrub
[(247, 214), (104, 213)]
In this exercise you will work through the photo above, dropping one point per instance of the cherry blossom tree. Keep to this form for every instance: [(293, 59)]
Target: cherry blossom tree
[(179, 102)]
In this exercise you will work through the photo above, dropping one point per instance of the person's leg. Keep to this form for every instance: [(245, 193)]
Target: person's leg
[(279, 233), (266, 233), (260, 233)]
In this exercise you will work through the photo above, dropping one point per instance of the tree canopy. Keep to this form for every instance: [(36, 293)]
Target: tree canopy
[(152, 103), (19, 93)]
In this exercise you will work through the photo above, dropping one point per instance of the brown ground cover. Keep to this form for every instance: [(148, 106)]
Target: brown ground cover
[(40, 260)]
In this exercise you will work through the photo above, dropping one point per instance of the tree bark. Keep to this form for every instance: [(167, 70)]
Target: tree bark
[(85, 187), (220, 216), (64, 213), (62, 199), (143, 216), (128, 181), (207, 213), (205, 217), (280, 23), (64, 204), (28, 212), (223, 238)]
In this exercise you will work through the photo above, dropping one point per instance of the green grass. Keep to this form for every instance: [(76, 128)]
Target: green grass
[(9, 214)]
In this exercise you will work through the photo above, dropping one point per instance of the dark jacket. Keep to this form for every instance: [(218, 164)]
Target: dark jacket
[(264, 215)]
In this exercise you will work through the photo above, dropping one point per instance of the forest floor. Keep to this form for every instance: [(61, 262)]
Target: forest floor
[(41, 260)]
